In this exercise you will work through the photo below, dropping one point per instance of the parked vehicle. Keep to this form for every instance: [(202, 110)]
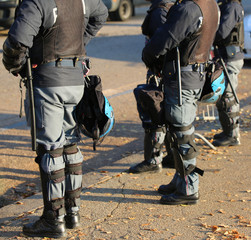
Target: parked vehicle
[(7, 12), (247, 28), (121, 10)]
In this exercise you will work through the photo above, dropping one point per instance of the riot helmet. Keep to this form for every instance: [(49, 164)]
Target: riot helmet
[(94, 113), (215, 84)]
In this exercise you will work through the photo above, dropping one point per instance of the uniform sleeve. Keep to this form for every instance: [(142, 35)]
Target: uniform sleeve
[(158, 17), (96, 16), (231, 14), (31, 16), (182, 22)]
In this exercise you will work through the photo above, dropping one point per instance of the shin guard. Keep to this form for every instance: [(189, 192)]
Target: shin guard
[(73, 171)]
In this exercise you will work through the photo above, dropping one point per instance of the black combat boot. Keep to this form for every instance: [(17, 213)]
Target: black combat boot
[(145, 167), (168, 161), (46, 226), (51, 224), (227, 141), (72, 220), (177, 199), (219, 135), (167, 189)]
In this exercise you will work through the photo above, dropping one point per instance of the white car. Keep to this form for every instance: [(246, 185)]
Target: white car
[(247, 28)]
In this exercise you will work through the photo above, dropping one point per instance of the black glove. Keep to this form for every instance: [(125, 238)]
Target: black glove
[(147, 59), (14, 56)]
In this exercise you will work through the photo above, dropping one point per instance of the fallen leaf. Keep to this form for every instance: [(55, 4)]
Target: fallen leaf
[(221, 211)]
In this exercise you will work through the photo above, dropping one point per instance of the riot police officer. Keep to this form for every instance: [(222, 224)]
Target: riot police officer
[(155, 134), (230, 43), (56, 33), (189, 33)]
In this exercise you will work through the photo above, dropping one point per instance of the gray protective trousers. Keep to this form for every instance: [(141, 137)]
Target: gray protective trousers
[(56, 129), (227, 107), (182, 116)]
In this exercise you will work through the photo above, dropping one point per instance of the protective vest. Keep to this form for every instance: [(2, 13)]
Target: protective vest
[(236, 37), (65, 38), (196, 48)]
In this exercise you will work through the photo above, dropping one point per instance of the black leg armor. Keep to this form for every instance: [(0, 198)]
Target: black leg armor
[(153, 144), (180, 156), (228, 114), (73, 171), (52, 181)]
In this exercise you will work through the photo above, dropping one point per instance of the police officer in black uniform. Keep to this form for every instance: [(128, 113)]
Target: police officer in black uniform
[(230, 43), (155, 134), (55, 33), (189, 30)]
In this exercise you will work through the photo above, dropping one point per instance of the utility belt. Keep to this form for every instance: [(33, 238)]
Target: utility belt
[(197, 67), (66, 62)]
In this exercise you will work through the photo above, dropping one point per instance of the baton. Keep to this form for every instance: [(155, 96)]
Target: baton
[(31, 103), (228, 79), (178, 76), (227, 75), (29, 85)]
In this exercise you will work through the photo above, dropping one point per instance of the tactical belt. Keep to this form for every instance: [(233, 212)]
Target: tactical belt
[(65, 62), (198, 67)]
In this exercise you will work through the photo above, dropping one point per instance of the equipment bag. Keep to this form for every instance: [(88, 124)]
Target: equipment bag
[(151, 100)]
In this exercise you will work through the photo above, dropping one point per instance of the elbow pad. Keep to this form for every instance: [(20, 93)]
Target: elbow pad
[(14, 56)]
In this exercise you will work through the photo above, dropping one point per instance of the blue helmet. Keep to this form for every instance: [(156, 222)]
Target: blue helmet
[(214, 86), (98, 128), (94, 113)]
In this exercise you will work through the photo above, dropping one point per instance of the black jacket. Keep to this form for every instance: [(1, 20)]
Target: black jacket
[(34, 15), (184, 21), (232, 13)]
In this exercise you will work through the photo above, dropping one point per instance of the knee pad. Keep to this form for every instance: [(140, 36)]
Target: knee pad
[(228, 114), (225, 103), (180, 155)]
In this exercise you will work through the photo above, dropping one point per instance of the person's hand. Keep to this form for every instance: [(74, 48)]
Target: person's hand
[(147, 59), (14, 57)]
